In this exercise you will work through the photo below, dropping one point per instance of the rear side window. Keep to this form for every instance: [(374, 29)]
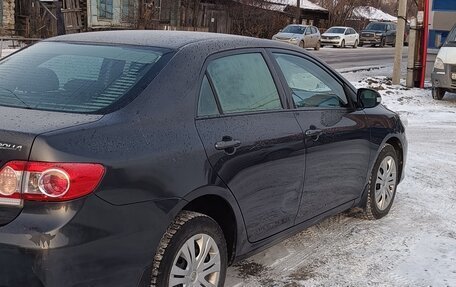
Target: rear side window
[(74, 77), (207, 106), (243, 83)]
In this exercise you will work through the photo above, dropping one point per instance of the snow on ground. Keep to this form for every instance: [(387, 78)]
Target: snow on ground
[(6, 52), (415, 245)]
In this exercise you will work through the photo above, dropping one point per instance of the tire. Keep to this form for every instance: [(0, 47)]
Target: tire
[(383, 42), (438, 93), (342, 44), (360, 44), (187, 229), (301, 44), (377, 207), (317, 48), (355, 45)]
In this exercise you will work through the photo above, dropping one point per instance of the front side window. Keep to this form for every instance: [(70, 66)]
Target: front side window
[(73, 77), (243, 83), (311, 85), (105, 9)]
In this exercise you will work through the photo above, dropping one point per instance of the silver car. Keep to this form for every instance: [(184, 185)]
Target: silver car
[(304, 36)]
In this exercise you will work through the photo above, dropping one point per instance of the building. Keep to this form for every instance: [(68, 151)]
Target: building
[(441, 19)]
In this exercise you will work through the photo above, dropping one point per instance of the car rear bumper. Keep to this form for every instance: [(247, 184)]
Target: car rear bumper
[(86, 242)]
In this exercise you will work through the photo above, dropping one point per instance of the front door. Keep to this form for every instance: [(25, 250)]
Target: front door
[(253, 144), (337, 141)]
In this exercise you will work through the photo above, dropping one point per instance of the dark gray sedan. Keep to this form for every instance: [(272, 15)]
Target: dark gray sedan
[(147, 158)]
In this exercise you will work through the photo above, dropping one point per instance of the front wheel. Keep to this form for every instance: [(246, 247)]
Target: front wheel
[(438, 93), (318, 46), (355, 45), (301, 44), (382, 184), (342, 44), (192, 252), (383, 42)]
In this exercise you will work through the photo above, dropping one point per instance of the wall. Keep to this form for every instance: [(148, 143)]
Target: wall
[(442, 19), (7, 21)]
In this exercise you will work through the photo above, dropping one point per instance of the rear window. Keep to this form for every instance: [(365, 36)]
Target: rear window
[(76, 78)]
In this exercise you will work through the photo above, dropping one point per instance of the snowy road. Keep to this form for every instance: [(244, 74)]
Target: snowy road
[(415, 245), (361, 57)]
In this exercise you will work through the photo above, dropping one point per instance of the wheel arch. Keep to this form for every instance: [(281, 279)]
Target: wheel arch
[(398, 147), (219, 204)]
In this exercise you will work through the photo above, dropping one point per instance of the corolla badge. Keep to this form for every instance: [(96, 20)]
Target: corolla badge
[(10, 146)]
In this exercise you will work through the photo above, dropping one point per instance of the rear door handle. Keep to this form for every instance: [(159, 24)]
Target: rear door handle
[(312, 133), (227, 144)]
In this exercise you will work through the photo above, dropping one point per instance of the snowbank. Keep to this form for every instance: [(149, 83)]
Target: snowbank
[(372, 14)]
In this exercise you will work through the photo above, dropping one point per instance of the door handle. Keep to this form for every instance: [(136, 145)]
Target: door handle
[(313, 133), (228, 145)]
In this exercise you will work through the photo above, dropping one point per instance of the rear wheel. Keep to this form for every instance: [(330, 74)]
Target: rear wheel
[(382, 184), (438, 93), (192, 252)]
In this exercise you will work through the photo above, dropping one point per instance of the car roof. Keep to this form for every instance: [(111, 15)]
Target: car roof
[(158, 38)]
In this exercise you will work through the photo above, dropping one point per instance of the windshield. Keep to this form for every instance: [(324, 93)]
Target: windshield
[(73, 77), (452, 36), (294, 29), (376, 27), (335, 30)]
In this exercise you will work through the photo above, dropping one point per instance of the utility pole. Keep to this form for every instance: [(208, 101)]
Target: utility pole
[(399, 41), (298, 12), (412, 49)]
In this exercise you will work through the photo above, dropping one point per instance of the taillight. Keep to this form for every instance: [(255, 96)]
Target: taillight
[(45, 181)]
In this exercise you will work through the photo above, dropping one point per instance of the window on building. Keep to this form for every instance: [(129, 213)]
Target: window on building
[(128, 10), (105, 9)]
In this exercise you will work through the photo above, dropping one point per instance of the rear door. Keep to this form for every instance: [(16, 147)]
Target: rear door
[(336, 137), (253, 144), (308, 38)]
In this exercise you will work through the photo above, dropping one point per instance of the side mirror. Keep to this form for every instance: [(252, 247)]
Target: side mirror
[(280, 30), (369, 98)]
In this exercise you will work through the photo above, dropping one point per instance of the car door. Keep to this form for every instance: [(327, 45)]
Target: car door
[(253, 144), (336, 137), (391, 34), (308, 38), (316, 36)]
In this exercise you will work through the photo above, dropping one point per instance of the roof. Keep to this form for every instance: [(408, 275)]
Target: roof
[(155, 38), (281, 5), (373, 14), (305, 4)]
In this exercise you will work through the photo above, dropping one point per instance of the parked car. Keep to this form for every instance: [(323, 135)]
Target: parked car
[(158, 158), (444, 73), (340, 37), (303, 36), (378, 33)]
